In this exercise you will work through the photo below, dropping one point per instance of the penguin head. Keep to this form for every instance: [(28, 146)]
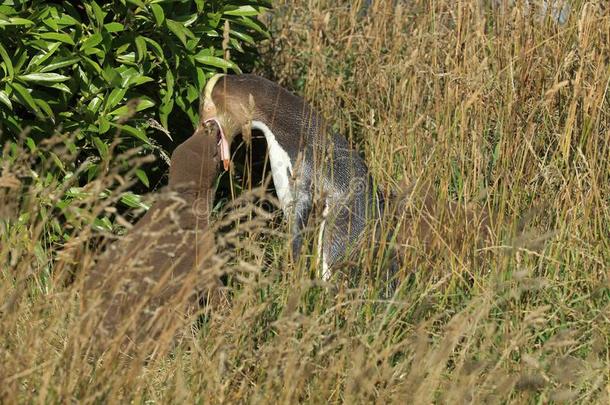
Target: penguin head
[(195, 162), (228, 106)]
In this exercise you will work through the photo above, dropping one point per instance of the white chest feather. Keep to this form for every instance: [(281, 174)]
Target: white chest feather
[(281, 166), (281, 170)]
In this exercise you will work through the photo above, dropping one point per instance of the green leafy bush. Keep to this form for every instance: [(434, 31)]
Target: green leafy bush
[(73, 66)]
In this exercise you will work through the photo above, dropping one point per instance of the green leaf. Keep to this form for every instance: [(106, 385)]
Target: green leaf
[(5, 100), (143, 177), (143, 104), (43, 56), (127, 73), (95, 104), (124, 48), (216, 62), (213, 19), (135, 132), (98, 13), (169, 81), (92, 41), (127, 58), (91, 172), (44, 106), (31, 144), (22, 57), (104, 125), (241, 10), (167, 104), (243, 37), (158, 13), (133, 200), (156, 47), (57, 36), (61, 87), (192, 93), (111, 76), (43, 77), (179, 30), (253, 24), (67, 20), (140, 48), (95, 51), (235, 44), (101, 147), (7, 62), (24, 97), (57, 161), (93, 64), (71, 147), (115, 97), (12, 124), (51, 23), (19, 21), (164, 110), (102, 224), (201, 80), (59, 63), (114, 27), (138, 80)]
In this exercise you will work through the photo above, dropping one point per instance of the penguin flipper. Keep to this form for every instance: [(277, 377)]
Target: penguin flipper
[(301, 215)]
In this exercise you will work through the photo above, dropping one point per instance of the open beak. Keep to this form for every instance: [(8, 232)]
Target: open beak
[(223, 144)]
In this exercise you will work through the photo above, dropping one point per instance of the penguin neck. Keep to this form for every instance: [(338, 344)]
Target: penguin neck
[(289, 119), (281, 165), (272, 128)]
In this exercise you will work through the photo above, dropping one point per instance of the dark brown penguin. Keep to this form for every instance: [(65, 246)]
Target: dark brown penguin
[(165, 259), (310, 164)]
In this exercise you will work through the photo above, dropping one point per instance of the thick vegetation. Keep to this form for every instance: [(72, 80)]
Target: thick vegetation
[(496, 105), (76, 64), (115, 70)]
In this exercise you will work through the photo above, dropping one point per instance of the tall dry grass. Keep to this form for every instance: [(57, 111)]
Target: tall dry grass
[(495, 107)]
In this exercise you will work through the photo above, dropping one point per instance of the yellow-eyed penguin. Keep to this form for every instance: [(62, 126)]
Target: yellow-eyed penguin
[(309, 163)]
